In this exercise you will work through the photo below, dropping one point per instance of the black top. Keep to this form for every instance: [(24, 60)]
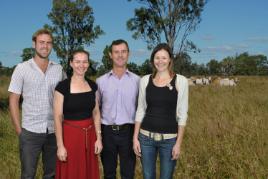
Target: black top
[(160, 113), (77, 106)]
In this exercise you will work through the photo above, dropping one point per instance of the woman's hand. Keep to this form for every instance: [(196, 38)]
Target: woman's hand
[(176, 151), (137, 147), (98, 146), (62, 154)]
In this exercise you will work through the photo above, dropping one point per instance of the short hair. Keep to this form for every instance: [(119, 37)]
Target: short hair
[(118, 42), (41, 31), (79, 51), (162, 46)]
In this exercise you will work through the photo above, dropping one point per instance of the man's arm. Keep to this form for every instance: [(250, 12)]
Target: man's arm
[(15, 111)]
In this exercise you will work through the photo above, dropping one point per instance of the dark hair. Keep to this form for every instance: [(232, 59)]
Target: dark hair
[(162, 46), (118, 42), (41, 31), (79, 51)]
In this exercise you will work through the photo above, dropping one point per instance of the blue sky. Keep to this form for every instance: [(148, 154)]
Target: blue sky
[(228, 27)]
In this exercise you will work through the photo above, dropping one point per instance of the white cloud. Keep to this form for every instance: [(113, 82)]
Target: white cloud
[(258, 39), (227, 48)]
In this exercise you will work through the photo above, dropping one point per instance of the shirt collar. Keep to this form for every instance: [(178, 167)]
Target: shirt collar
[(49, 62), (110, 73)]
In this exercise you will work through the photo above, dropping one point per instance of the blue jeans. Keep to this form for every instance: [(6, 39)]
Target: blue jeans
[(149, 151)]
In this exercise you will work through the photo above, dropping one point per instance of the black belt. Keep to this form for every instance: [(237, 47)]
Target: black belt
[(118, 127)]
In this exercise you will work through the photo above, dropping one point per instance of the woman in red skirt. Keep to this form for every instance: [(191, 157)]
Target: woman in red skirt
[(77, 123)]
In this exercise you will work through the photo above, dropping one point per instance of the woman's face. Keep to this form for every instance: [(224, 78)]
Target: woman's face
[(161, 60), (80, 64)]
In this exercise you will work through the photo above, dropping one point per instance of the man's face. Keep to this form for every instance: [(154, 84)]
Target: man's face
[(43, 45), (119, 55)]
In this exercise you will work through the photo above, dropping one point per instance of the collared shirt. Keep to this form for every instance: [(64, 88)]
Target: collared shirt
[(118, 97), (37, 90), (182, 99)]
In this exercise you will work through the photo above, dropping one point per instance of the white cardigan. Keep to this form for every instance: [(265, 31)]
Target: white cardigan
[(182, 100)]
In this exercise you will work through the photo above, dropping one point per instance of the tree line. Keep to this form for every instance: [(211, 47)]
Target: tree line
[(242, 64)]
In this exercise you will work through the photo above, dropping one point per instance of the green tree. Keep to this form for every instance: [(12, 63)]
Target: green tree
[(227, 66), (214, 67), (202, 70), (106, 62), (72, 27), (173, 20), (194, 69), (133, 67), (262, 65), (145, 68), (27, 53), (246, 64), (183, 64)]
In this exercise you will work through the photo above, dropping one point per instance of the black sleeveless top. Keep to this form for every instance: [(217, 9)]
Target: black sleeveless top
[(77, 106), (160, 113)]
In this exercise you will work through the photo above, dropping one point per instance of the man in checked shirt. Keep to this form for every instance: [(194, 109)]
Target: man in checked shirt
[(35, 81)]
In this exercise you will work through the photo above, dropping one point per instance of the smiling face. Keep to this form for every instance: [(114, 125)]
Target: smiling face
[(79, 63), (161, 60), (43, 45), (119, 55)]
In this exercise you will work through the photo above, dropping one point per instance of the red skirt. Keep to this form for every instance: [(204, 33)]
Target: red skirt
[(79, 139)]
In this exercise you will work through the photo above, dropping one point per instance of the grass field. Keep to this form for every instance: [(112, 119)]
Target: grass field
[(226, 134)]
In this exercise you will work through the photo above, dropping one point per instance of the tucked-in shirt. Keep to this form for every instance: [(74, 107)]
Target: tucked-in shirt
[(118, 97), (37, 90), (77, 106), (182, 87), (160, 115)]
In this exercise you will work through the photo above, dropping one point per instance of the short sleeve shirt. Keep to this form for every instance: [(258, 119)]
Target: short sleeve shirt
[(77, 106), (37, 89)]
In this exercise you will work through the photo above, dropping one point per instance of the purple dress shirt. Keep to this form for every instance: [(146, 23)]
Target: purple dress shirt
[(118, 97)]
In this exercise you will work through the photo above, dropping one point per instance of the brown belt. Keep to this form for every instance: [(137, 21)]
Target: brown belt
[(82, 128)]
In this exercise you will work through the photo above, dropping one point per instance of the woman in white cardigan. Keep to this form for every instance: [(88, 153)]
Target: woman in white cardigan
[(161, 115)]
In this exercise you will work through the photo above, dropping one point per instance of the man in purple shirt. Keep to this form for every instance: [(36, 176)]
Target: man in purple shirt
[(117, 91)]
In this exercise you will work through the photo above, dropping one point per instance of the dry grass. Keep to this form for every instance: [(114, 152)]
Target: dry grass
[(226, 134), (4, 82)]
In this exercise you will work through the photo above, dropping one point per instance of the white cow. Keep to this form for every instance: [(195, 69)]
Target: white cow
[(205, 81), (227, 82), (201, 81), (198, 81)]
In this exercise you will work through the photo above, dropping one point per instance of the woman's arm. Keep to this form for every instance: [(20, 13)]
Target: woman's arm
[(136, 142), (58, 117), (182, 110), (97, 124), (177, 147)]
